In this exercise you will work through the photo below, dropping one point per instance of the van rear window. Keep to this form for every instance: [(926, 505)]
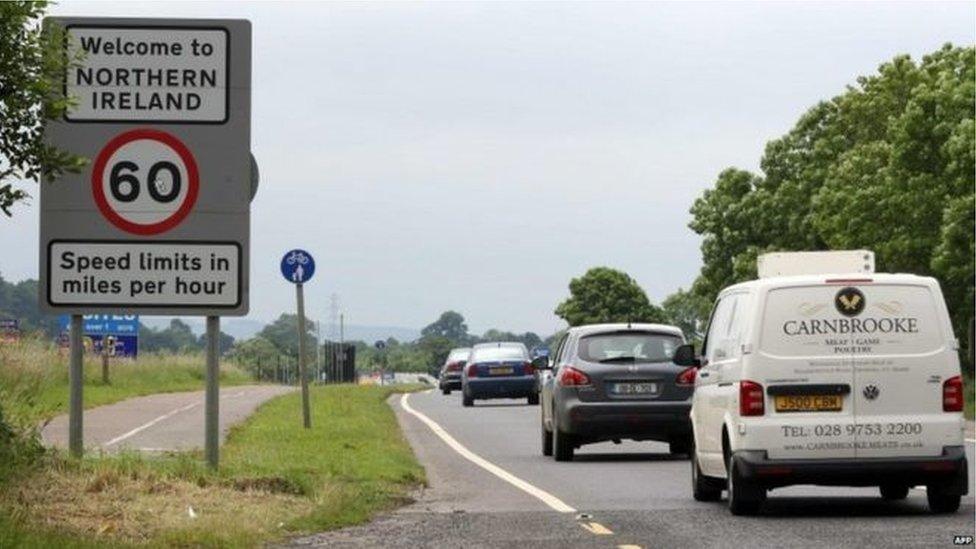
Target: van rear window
[(868, 319)]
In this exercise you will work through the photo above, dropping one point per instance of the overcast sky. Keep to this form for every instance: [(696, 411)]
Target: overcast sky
[(477, 156)]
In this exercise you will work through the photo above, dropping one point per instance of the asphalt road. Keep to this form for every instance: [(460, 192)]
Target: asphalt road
[(162, 422), (632, 494)]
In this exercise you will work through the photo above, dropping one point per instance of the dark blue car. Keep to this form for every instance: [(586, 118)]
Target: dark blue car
[(498, 370)]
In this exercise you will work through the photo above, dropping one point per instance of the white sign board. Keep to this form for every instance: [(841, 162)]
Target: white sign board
[(152, 74), (134, 274)]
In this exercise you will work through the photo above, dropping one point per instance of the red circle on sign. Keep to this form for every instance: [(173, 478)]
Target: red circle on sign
[(193, 181)]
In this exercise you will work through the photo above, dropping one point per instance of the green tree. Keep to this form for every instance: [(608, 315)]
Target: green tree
[(606, 295), (888, 165), (450, 325), (436, 348), (283, 334), (688, 311), (32, 65), (177, 337)]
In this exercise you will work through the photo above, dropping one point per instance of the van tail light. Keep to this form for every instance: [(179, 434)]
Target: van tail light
[(952, 395), (472, 370), (571, 377), (528, 369), (751, 400), (686, 378)]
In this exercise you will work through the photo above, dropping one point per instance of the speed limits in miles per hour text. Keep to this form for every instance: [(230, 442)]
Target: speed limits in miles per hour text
[(136, 274)]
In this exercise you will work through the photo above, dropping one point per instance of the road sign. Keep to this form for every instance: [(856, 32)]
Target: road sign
[(297, 266), (117, 325), (380, 344), (158, 222)]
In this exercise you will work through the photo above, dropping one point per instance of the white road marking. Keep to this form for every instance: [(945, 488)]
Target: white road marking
[(971, 440), (164, 417), (149, 424), (596, 528), (552, 501)]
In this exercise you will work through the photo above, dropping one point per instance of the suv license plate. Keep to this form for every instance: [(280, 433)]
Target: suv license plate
[(633, 388), (502, 371), (809, 403)]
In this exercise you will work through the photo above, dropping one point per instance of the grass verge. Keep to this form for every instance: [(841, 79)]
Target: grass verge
[(276, 479)]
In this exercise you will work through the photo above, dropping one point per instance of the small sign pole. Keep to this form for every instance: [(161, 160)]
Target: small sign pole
[(76, 378), (306, 411), (212, 405)]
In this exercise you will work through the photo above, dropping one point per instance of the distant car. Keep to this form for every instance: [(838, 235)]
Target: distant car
[(613, 382), (450, 376), (498, 370)]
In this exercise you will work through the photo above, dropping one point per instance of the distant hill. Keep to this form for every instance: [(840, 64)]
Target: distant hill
[(243, 328)]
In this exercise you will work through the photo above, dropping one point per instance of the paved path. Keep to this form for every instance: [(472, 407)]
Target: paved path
[(167, 421), (615, 495)]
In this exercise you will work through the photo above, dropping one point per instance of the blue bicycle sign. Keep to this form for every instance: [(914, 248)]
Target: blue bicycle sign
[(297, 266)]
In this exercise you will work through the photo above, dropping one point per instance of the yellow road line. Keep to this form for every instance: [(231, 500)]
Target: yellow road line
[(596, 528)]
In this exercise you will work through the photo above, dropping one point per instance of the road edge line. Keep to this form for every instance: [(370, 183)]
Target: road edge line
[(550, 500), (149, 424)]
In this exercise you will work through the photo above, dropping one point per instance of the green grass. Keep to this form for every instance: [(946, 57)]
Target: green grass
[(34, 379), (276, 479)]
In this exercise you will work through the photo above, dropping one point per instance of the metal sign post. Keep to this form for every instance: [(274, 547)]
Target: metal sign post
[(212, 399), (76, 378), (159, 221), (298, 266)]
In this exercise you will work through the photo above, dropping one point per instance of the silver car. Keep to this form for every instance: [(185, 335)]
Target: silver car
[(613, 382)]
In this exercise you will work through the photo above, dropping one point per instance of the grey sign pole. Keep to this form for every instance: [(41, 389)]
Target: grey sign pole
[(76, 378), (306, 412), (212, 405)]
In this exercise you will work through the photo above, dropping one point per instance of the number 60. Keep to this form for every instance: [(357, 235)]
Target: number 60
[(131, 192)]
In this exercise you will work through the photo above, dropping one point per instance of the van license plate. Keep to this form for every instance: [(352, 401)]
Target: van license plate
[(633, 388), (809, 403), (502, 371)]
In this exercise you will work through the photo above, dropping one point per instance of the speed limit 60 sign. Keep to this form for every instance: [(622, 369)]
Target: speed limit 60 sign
[(159, 219)]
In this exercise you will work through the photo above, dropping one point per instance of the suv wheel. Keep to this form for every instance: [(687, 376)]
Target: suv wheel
[(546, 439), (467, 401), (562, 444), (745, 498), (534, 399), (940, 501), (680, 446), (446, 391), (703, 488), (894, 492)]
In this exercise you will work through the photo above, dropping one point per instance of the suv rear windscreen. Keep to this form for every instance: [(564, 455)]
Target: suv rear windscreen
[(833, 320), (491, 354), (627, 347)]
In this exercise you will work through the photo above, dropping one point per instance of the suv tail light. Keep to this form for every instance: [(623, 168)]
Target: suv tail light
[(686, 378), (751, 400), (571, 377), (528, 369), (952, 394), (472, 370), (454, 366)]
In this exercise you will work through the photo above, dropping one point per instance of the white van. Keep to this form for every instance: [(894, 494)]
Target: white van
[(842, 380)]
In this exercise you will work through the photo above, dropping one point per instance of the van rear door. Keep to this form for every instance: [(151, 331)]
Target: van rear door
[(807, 375), (902, 353)]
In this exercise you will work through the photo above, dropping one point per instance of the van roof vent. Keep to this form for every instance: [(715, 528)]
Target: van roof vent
[(814, 263)]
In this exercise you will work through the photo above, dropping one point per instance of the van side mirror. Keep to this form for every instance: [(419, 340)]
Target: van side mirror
[(541, 363), (685, 356)]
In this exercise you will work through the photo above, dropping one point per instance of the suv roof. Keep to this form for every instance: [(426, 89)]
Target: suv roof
[(624, 326), (499, 344)]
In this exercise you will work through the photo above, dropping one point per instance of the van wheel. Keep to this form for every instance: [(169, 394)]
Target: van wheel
[(534, 399), (546, 439), (562, 447), (894, 492), (467, 401), (940, 501), (745, 498), (703, 488)]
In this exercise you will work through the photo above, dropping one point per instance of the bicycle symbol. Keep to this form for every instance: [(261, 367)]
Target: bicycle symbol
[(297, 257)]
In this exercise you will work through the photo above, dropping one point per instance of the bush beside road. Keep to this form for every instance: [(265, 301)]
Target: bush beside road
[(276, 479)]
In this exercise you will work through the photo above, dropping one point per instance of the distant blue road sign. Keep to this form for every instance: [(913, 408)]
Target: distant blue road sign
[(297, 266), (116, 325)]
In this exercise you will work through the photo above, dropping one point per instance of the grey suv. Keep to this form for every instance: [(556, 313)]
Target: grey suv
[(613, 382)]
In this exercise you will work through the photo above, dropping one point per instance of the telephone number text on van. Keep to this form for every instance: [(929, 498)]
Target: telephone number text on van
[(852, 429)]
